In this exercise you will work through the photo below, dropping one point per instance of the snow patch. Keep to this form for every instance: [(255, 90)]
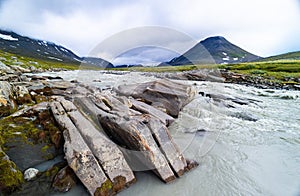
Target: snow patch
[(224, 53), (45, 43), (226, 59), (8, 37), (76, 59), (235, 59), (51, 57), (62, 49)]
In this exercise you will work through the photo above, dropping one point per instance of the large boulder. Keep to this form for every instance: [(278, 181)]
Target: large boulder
[(146, 138)]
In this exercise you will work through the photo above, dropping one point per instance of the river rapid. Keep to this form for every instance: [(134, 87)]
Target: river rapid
[(246, 140)]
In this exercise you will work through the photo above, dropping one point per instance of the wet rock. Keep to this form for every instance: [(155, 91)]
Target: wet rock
[(27, 137), (164, 140), (191, 164), (30, 173), (245, 116), (165, 95), (64, 180), (7, 103)]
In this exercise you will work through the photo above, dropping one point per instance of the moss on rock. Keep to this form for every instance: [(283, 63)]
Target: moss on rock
[(10, 177), (105, 189)]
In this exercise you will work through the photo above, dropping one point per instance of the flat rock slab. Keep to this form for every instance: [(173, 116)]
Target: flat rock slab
[(107, 153), (145, 135), (137, 137), (147, 109), (79, 156), (168, 96)]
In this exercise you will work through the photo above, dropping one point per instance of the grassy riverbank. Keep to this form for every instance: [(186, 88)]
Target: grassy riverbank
[(279, 70)]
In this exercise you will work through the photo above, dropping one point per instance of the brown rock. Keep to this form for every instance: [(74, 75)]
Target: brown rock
[(22, 95), (64, 180)]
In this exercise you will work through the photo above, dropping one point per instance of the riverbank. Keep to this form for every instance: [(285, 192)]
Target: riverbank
[(277, 74)]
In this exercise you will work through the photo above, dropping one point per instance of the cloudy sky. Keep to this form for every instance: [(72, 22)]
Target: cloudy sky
[(263, 27)]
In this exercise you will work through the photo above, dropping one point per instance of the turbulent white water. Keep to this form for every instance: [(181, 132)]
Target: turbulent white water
[(237, 155)]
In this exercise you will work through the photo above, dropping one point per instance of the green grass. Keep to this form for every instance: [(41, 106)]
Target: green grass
[(12, 59), (278, 70), (290, 55)]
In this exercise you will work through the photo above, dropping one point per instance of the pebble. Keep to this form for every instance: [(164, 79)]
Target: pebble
[(30, 173)]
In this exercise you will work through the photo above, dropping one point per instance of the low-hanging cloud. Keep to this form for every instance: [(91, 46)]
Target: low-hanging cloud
[(265, 27)]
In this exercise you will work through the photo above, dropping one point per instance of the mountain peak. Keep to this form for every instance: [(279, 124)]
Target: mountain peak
[(215, 49), (215, 38)]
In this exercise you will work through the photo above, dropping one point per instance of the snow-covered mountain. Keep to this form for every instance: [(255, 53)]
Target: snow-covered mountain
[(40, 49)]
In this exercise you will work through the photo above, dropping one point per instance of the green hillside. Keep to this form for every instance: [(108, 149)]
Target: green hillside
[(290, 55)]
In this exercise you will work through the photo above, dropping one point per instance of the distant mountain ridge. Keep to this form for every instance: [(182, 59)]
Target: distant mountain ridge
[(40, 49), (211, 50), (214, 50)]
